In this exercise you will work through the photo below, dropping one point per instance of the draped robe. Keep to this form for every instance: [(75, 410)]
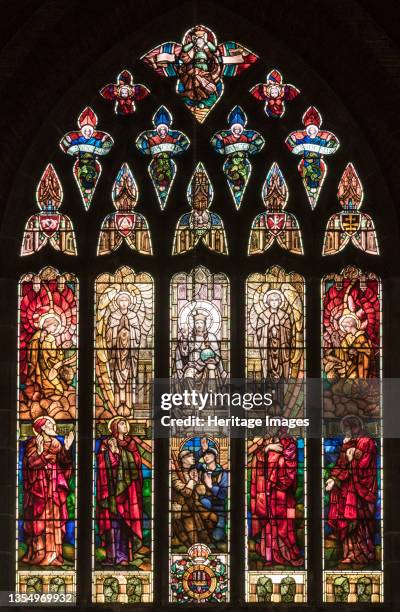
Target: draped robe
[(46, 487), (119, 498), (353, 499), (273, 504)]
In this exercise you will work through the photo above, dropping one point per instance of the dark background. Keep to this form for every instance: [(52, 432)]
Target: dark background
[(54, 57)]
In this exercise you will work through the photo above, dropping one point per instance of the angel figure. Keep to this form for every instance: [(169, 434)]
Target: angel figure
[(86, 145), (47, 346), (349, 225), (49, 225), (275, 224), (123, 323), (274, 93), (237, 144), (125, 224), (197, 361), (312, 144), (199, 63), (125, 93), (200, 224), (162, 144), (275, 334)]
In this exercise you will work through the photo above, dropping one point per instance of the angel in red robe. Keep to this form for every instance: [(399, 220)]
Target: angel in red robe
[(125, 93), (119, 494), (353, 492), (274, 93), (273, 501), (47, 470)]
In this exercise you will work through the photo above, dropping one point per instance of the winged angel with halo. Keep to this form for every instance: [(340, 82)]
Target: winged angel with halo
[(124, 321)]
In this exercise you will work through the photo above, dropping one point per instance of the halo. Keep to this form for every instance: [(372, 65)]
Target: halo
[(50, 315), (48, 418), (117, 418), (133, 301), (351, 416), (270, 292), (213, 320), (349, 315)]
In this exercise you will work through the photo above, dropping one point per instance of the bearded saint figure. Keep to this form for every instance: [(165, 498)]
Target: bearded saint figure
[(274, 337), (273, 501), (119, 507), (198, 360), (46, 358), (199, 70), (353, 492), (47, 469), (123, 342)]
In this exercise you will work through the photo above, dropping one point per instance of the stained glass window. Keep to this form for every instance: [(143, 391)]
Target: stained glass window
[(276, 508), (350, 225), (47, 431), (199, 63), (199, 459), (49, 225), (312, 144), (200, 225), (237, 144), (275, 225), (162, 143), (87, 145), (125, 225), (352, 443), (122, 429)]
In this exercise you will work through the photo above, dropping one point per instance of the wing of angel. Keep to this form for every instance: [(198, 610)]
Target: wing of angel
[(102, 357), (335, 238), (290, 237), (34, 239), (163, 58), (185, 238), (140, 239), (294, 307), (235, 58), (109, 239), (291, 92), (109, 92), (215, 239), (64, 239), (145, 311), (141, 91), (258, 91), (260, 237), (366, 239)]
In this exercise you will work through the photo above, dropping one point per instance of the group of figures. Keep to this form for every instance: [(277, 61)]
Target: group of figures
[(275, 361), (200, 360)]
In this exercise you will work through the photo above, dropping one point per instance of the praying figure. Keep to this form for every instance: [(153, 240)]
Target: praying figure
[(47, 471), (273, 501), (199, 63), (353, 492), (123, 341), (237, 144), (119, 507)]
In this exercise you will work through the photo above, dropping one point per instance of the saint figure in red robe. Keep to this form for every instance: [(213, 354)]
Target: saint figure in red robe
[(273, 502), (47, 469), (353, 491), (119, 494)]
